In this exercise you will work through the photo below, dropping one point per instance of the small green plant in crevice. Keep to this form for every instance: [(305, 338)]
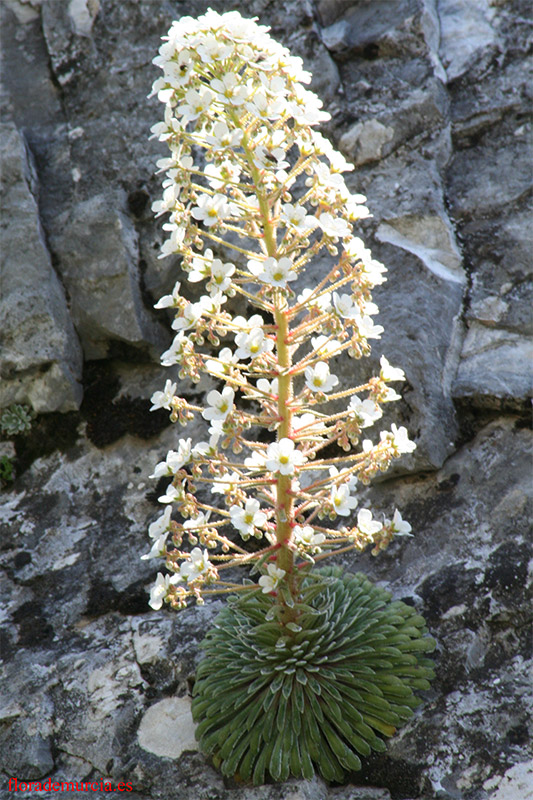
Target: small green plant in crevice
[(15, 420), (307, 668), (7, 471)]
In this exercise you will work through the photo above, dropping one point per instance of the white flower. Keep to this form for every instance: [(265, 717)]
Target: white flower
[(334, 227), (161, 525), (355, 208), (389, 373), (271, 158), (283, 458), (172, 245), (275, 272), (164, 130), (200, 267), (306, 537), (256, 461), (196, 522), (324, 345), (175, 460), (172, 495), (297, 217), (170, 300), (304, 427), (369, 308), (209, 448), (366, 327), (247, 518), (366, 411), (399, 438), (168, 203), (318, 378), (174, 354), (253, 344), (222, 137), (212, 48), (366, 524), (211, 209), (189, 317), (198, 565), (322, 301), (221, 274), (345, 306), (255, 321), (211, 305), (164, 399), (269, 387), (262, 108), (348, 478), (159, 549), (389, 395), (270, 582), (160, 589), (372, 270), (224, 483), (220, 404), (343, 502), (400, 526), (225, 173), (305, 107), (221, 366), (230, 90), (196, 104)]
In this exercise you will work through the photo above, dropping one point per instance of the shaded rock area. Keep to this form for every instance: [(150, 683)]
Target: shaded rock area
[(430, 100)]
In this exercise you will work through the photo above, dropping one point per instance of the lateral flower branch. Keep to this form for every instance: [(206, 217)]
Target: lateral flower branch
[(254, 193)]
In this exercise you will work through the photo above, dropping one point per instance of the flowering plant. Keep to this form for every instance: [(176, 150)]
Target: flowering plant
[(253, 194)]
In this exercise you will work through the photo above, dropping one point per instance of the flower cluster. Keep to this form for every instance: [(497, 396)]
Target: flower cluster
[(252, 194)]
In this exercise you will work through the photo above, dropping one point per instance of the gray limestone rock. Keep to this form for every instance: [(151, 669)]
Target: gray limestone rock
[(443, 157), (99, 265), (468, 32), (495, 367), (421, 303), (95, 670), (387, 27), (40, 358), (495, 364)]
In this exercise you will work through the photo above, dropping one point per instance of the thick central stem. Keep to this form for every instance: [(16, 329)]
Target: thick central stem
[(285, 502)]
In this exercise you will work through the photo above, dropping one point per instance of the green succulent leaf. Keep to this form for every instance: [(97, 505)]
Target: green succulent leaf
[(311, 694)]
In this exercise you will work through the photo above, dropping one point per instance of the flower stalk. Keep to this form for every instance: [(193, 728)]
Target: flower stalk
[(252, 195)]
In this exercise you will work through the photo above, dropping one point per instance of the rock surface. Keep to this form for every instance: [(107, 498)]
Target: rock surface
[(41, 360), (430, 100)]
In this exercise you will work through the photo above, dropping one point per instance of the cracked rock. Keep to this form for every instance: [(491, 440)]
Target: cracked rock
[(41, 356), (387, 27), (495, 365), (467, 32), (99, 265)]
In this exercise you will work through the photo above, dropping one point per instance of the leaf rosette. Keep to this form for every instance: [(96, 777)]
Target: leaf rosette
[(314, 694)]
